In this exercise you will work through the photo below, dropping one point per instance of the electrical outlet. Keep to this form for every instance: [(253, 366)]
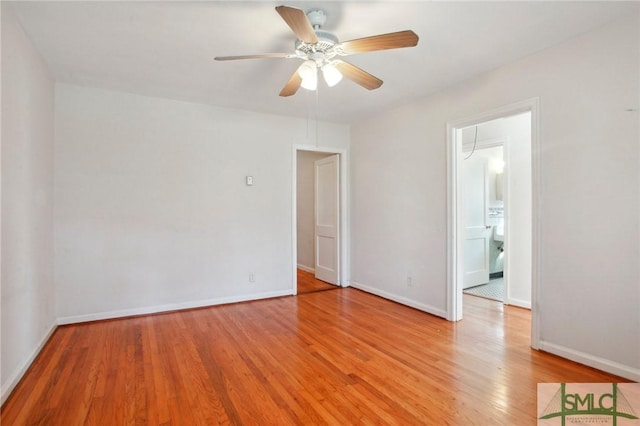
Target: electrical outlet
[(409, 281), (252, 277)]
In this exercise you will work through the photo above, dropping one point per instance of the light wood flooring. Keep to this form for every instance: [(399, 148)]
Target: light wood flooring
[(331, 357)]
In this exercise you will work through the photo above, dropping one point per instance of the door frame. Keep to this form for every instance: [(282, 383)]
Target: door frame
[(454, 218), (343, 212)]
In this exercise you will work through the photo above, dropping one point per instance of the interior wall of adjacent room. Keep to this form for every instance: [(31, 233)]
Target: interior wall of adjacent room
[(588, 155), (305, 190), (152, 208), (26, 267)]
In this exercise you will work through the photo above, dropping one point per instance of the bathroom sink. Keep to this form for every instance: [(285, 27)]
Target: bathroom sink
[(498, 232)]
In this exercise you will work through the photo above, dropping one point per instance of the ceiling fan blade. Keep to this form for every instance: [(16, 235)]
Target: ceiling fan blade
[(358, 75), (292, 85), (395, 40), (298, 22), (266, 55)]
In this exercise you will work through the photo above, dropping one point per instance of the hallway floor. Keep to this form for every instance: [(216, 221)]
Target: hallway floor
[(493, 290), (308, 283)]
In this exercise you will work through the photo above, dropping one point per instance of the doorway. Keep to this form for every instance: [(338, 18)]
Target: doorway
[(515, 129), (483, 170), (319, 224)]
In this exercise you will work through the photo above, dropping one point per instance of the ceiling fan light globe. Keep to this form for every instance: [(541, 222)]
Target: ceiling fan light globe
[(308, 71), (310, 83), (331, 75)]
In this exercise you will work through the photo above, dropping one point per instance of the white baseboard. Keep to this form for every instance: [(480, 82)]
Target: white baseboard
[(306, 268), (609, 366), (170, 307), (519, 303), (400, 299), (17, 376)]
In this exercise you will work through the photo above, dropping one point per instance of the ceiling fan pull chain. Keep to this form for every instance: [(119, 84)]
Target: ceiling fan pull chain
[(308, 117), (317, 90)]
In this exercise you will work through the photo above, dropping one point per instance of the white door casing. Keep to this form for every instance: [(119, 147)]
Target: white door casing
[(475, 187), (327, 219)]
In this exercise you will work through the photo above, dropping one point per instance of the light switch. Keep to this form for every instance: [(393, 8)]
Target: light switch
[(249, 180)]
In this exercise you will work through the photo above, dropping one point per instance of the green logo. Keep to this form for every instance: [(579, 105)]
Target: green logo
[(565, 404)]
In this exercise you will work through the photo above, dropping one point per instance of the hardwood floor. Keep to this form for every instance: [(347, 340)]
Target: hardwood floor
[(330, 357), (307, 283)]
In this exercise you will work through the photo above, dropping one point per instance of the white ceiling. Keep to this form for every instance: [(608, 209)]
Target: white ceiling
[(166, 49)]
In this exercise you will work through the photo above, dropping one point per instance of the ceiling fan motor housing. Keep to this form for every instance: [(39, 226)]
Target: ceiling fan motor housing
[(321, 51)]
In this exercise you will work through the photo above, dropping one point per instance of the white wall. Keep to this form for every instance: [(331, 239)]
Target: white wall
[(519, 218), (152, 211), (305, 190), (588, 213), (27, 291)]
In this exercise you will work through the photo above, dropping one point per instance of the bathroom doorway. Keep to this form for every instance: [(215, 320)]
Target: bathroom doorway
[(483, 198), (495, 188), (505, 237)]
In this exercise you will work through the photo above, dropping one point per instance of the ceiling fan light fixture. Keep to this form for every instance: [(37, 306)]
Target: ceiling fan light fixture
[(331, 74), (308, 71), (310, 83)]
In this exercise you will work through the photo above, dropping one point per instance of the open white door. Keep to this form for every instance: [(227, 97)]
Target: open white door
[(475, 172), (327, 207)]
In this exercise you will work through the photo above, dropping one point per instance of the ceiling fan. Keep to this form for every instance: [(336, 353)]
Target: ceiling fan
[(321, 49)]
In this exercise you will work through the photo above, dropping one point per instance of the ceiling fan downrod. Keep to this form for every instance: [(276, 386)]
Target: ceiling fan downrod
[(317, 18)]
